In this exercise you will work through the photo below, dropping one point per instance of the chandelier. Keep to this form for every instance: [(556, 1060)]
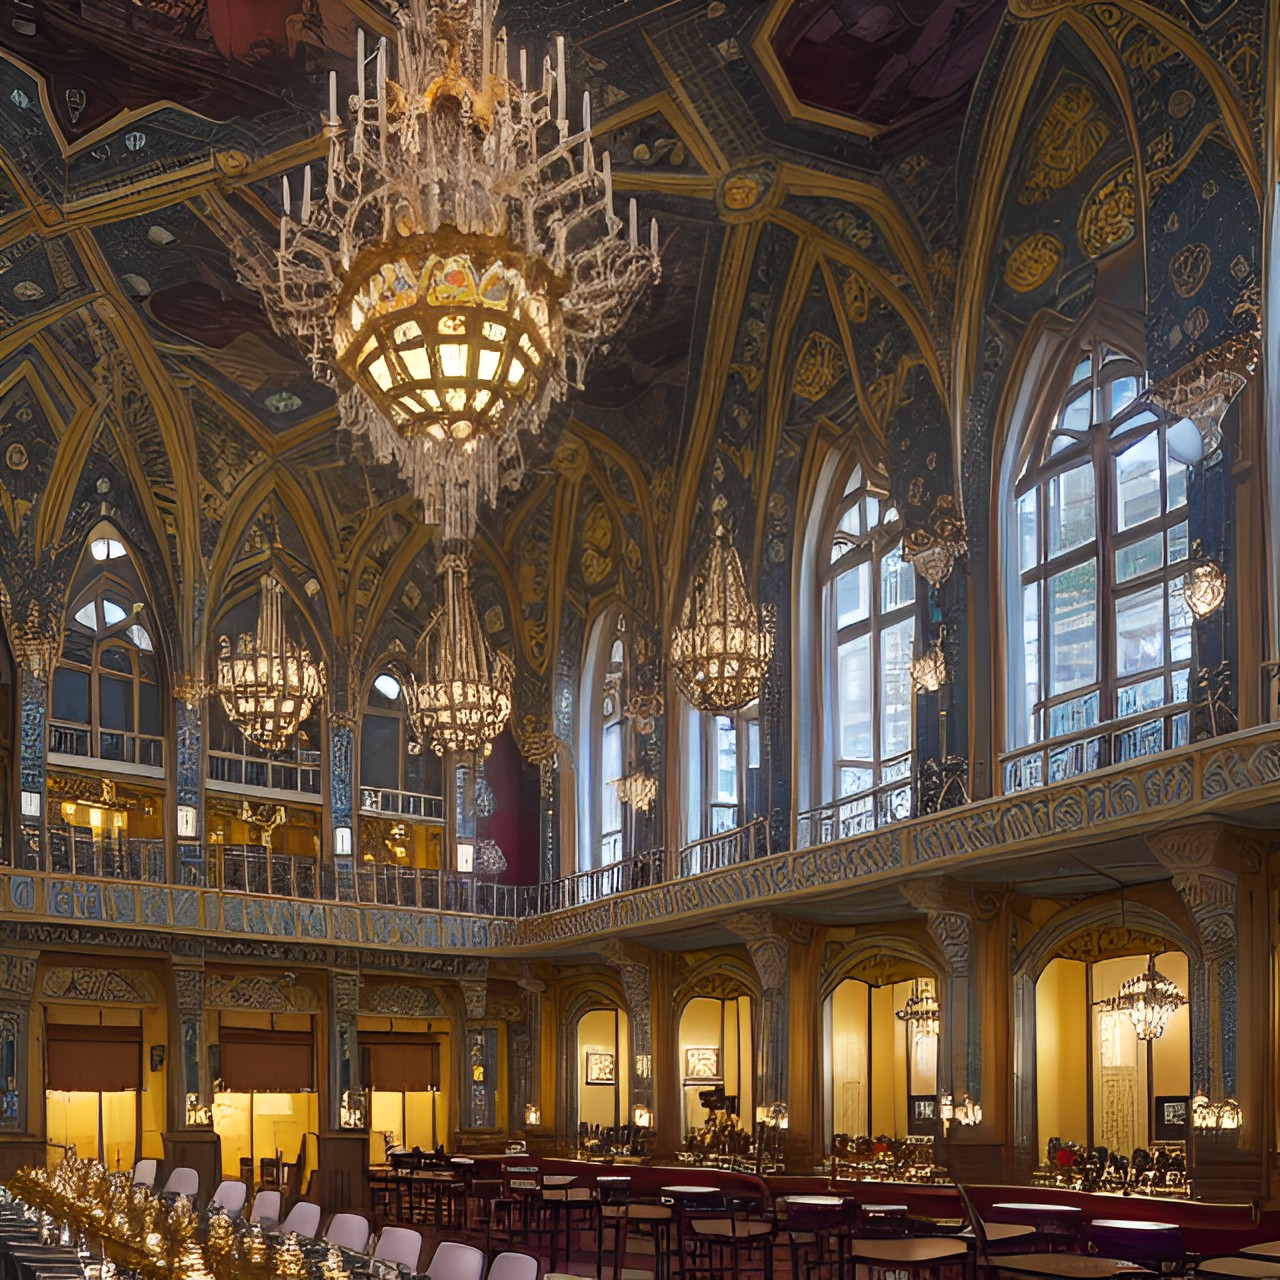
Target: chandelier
[(929, 670), (921, 1013), (722, 645), (1149, 999), (267, 682), (464, 259), (465, 698)]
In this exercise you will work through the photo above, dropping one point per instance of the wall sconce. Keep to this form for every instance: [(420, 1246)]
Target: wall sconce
[(1204, 586), (31, 804), (532, 1115), (351, 1114), (186, 822), (197, 1115), (1215, 1116), (967, 1113), (342, 842), (641, 1116), (929, 670)]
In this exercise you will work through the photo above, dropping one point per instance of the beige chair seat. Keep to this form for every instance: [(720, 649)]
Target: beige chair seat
[(997, 1232), (1257, 1268), (1069, 1266), (728, 1227), (909, 1249), (1265, 1249)]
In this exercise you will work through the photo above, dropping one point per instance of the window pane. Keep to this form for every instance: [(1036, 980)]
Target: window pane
[(1028, 542), (115, 709), (1179, 624), (1076, 416), (1140, 631), (1144, 695), (895, 688), (71, 696), (1138, 482), (852, 781), (724, 817), (112, 613), (1031, 648), (726, 760), (1177, 482), (380, 752), (1124, 391), (897, 581), (149, 710), (1178, 543), (855, 699), (853, 595), (86, 616), (1070, 717), (1073, 645), (1070, 501), (610, 772), (116, 659), (1140, 557)]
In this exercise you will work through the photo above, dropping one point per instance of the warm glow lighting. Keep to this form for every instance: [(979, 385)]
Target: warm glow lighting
[(921, 1013), (464, 260), (464, 699), (721, 647), (1150, 1000), (641, 1116), (1205, 588), (532, 1114), (929, 670), (267, 682)]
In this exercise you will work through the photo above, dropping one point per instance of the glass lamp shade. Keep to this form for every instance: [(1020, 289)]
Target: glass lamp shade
[(448, 334), (266, 682), (721, 648), (929, 670), (1205, 588)]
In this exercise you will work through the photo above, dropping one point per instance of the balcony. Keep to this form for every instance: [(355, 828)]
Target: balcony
[(385, 803), (296, 778), (73, 744)]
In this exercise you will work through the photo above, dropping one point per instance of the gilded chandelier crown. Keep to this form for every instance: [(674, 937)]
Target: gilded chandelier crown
[(464, 260)]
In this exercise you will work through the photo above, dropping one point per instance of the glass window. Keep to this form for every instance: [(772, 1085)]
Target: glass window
[(870, 604), (1103, 630), (391, 757)]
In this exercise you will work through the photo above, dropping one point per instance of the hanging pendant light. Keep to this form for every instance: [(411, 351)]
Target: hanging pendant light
[(1149, 998), (921, 1013), (721, 648), (464, 259), (464, 699), (268, 683)]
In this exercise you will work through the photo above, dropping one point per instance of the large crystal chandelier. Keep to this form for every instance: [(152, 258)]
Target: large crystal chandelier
[(464, 259), (722, 645), (1149, 998), (464, 700), (267, 682)]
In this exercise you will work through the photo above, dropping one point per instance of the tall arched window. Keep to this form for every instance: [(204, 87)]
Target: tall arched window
[(602, 744), (106, 691), (869, 633), (391, 758), (1098, 631)]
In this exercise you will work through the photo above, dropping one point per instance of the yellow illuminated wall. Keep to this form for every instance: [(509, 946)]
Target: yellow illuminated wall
[(724, 1025), (258, 1125), (596, 1102), (1062, 1054)]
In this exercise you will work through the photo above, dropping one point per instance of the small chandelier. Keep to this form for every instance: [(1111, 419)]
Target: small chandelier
[(267, 682), (921, 1013), (1150, 1000), (722, 646), (464, 260), (464, 700), (966, 1113), (1204, 586)]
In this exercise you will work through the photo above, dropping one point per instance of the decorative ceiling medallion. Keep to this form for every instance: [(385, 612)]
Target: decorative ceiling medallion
[(748, 193), (1108, 216), (1033, 261), (1070, 135)]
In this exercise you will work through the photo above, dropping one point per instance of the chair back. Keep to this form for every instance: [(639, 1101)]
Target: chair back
[(266, 1207), (514, 1266), (454, 1261), (521, 1177), (230, 1196), (980, 1242), (400, 1244), (144, 1173), (348, 1231), (802, 1214), (303, 1220), (613, 1189), (182, 1182)]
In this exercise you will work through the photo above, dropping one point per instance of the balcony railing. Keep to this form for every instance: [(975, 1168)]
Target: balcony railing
[(116, 748), (299, 776), (77, 851), (401, 804), (857, 815), (435, 890), (253, 868)]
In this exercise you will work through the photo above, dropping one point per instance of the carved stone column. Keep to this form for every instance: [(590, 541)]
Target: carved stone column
[(479, 1053), (948, 908), (344, 1052), (194, 1089), (341, 880), (17, 986), (634, 969), (1206, 861), (769, 938)]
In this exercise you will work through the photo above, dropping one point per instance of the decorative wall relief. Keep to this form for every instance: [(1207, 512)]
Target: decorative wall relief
[(1071, 133)]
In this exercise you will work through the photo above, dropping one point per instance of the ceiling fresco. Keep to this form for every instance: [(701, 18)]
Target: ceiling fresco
[(864, 277)]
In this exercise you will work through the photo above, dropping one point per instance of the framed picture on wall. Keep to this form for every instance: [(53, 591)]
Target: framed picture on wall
[(922, 1114), (702, 1066), (1173, 1115), (601, 1068)]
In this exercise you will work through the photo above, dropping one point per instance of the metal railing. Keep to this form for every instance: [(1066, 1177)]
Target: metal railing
[(253, 868), (77, 851), (300, 776), (856, 815), (121, 748), (401, 804), (434, 890)]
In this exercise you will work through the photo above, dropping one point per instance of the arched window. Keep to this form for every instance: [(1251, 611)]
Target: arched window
[(602, 739), (723, 771), (391, 758), (106, 691), (869, 633), (1098, 631)]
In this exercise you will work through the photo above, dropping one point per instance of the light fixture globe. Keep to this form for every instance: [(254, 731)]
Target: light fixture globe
[(721, 648), (464, 699), (267, 683)]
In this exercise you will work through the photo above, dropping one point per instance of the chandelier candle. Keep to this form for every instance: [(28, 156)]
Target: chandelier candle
[(464, 262)]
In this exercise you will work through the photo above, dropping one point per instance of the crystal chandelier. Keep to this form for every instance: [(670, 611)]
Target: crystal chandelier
[(465, 698), (464, 260), (921, 1013), (1150, 1000), (722, 645), (267, 682)]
